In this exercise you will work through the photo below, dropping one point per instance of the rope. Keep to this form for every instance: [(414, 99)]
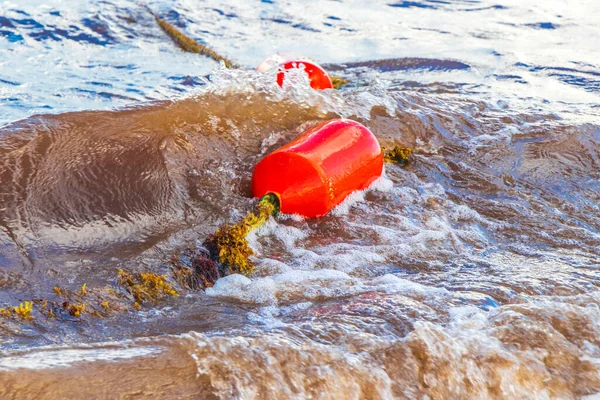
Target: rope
[(188, 44), (229, 246)]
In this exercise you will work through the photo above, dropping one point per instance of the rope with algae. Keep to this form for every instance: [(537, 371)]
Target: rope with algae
[(229, 245), (188, 44)]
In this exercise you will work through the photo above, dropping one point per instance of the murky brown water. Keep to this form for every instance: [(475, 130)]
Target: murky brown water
[(470, 273)]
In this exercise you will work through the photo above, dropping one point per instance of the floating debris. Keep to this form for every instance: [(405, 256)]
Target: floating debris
[(23, 310), (195, 269), (398, 155), (338, 82), (74, 310), (59, 291), (146, 286), (83, 291)]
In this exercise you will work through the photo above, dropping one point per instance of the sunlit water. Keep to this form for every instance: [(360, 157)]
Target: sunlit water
[(471, 273)]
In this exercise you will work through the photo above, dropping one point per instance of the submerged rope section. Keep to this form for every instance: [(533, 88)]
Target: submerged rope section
[(188, 44)]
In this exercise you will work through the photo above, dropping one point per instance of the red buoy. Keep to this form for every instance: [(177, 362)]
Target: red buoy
[(316, 171), (318, 77)]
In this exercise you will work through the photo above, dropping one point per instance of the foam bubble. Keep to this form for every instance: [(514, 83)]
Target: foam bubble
[(381, 184), (393, 284), (258, 291)]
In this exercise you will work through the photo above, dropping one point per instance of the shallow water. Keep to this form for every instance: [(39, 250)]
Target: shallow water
[(471, 273)]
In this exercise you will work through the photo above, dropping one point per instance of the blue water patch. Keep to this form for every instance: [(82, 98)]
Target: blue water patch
[(103, 84), (9, 82), (188, 80), (130, 67), (28, 22), (11, 36), (589, 85), (402, 64), (136, 91), (515, 78), (432, 30), (278, 20), (58, 34), (583, 64), (305, 28), (5, 23), (99, 27), (39, 32), (104, 95), (286, 22), (435, 4), (411, 4), (488, 303), (44, 35), (543, 25), (560, 69), (334, 18), (175, 18), (494, 7), (224, 14)]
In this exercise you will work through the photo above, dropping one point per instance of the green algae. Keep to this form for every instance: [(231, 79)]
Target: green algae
[(229, 244), (339, 82), (397, 155)]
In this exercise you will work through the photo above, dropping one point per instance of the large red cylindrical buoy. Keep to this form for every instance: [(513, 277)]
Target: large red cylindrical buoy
[(318, 77), (320, 168)]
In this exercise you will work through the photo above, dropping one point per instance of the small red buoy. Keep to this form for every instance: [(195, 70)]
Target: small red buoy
[(316, 171), (319, 79)]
